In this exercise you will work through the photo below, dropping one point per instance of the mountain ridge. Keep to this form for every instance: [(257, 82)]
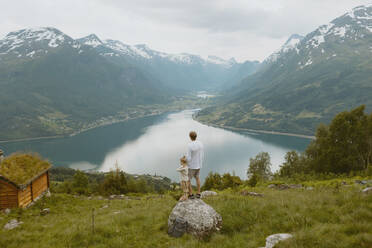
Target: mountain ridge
[(326, 72)]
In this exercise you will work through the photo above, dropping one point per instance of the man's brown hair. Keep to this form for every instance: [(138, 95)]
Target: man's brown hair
[(192, 135)]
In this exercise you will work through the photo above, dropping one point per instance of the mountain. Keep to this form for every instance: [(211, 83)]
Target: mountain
[(52, 84), (179, 71), (307, 81)]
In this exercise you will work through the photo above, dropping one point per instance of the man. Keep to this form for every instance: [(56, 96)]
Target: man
[(194, 157)]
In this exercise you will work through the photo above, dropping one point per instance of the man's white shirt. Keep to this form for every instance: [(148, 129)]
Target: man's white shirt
[(195, 155)]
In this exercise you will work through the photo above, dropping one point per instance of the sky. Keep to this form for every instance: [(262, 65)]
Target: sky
[(243, 29)]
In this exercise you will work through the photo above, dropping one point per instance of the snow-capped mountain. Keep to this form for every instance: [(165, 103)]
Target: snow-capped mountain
[(326, 40), (182, 71), (308, 80), (34, 42), (179, 71), (142, 51)]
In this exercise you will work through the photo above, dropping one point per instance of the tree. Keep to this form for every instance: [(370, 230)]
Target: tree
[(230, 181), (212, 181), (115, 182), (253, 180), (260, 165), (216, 181), (344, 146), (294, 163), (80, 182)]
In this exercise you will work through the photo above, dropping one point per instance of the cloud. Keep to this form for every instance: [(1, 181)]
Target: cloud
[(227, 28)]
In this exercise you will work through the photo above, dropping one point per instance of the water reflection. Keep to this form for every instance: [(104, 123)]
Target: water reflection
[(153, 145), (158, 149)]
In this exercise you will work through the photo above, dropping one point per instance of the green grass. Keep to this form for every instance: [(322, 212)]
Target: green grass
[(20, 168), (324, 217)]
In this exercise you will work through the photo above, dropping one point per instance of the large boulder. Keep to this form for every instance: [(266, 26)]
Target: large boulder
[(195, 217)]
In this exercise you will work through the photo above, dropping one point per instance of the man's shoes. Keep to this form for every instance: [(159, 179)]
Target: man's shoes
[(192, 196), (198, 196)]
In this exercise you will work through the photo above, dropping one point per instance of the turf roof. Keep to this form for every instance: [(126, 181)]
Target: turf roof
[(22, 168)]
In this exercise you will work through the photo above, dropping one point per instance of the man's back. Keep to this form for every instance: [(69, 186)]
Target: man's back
[(195, 154)]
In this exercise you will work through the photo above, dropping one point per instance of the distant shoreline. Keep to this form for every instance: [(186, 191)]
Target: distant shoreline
[(256, 131), (30, 139), (77, 132)]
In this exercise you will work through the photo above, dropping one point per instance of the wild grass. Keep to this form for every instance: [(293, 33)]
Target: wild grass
[(22, 167), (324, 217)]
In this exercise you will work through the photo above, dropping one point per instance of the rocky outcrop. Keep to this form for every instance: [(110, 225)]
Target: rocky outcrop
[(208, 193), (194, 217)]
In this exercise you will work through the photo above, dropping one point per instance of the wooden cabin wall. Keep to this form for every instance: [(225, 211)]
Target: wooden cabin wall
[(24, 197), (8, 195), (40, 185)]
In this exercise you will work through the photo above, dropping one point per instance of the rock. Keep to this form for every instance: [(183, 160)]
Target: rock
[(207, 193), (45, 211), (7, 211), (362, 182), (272, 186), (194, 217), (112, 197), (367, 190), (343, 183), (295, 186), (282, 186), (178, 228), (13, 223), (272, 240), (105, 206), (100, 197), (48, 194), (244, 192), (309, 188)]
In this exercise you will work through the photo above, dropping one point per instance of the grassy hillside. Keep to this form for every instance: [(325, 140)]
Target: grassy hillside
[(328, 216), (59, 92)]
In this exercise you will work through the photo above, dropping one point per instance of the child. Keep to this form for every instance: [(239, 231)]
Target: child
[(1, 156), (184, 178)]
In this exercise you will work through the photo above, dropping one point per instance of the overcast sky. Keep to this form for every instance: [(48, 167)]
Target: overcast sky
[(244, 29)]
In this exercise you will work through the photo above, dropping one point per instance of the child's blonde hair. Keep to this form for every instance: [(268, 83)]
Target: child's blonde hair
[(183, 160)]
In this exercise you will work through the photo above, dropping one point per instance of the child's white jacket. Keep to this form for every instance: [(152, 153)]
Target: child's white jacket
[(184, 173)]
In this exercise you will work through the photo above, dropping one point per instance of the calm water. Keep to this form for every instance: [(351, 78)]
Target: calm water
[(153, 145)]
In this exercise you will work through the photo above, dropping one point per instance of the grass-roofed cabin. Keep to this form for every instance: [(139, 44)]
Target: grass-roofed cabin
[(23, 178)]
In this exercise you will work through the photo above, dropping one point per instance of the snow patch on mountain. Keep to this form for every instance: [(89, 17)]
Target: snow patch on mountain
[(291, 44), (17, 39), (321, 32), (142, 51), (183, 58)]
